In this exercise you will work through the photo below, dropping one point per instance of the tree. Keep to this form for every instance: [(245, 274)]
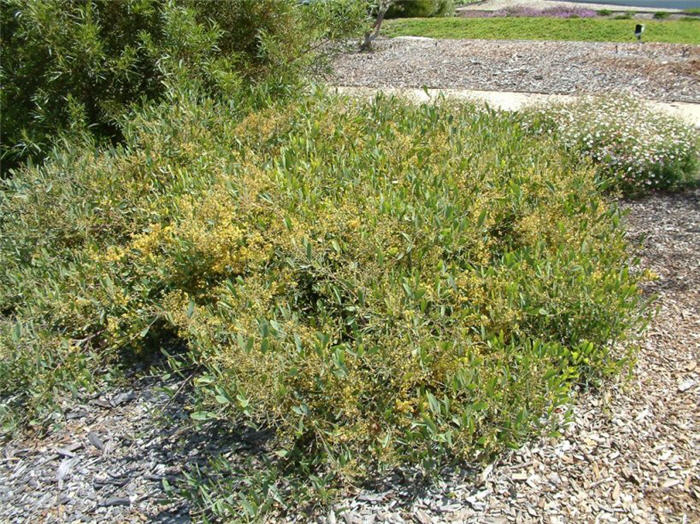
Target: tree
[(379, 9)]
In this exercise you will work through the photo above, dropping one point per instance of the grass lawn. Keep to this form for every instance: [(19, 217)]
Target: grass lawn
[(586, 29)]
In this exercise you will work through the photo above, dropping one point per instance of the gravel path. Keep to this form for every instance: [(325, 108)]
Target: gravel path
[(665, 72), (510, 101), (630, 454)]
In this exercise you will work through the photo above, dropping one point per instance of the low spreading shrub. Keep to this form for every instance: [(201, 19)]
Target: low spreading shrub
[(376, 283), (634, 146)]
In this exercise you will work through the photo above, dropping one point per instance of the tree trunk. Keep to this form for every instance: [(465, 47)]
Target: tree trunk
[(371, 35)]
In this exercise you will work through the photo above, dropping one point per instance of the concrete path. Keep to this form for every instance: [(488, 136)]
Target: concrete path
[(512, 101)]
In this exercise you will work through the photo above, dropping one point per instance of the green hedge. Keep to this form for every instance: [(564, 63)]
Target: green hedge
[(420, 8)]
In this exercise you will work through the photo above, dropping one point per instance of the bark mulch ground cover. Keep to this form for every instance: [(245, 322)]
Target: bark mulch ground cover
[(664, 72)]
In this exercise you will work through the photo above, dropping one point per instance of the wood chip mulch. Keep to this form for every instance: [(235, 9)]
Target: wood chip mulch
[(664, 72)]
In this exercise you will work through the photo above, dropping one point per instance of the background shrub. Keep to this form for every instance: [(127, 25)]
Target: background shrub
[(420, 8), (635, 147), (378, 283), (82, 63)]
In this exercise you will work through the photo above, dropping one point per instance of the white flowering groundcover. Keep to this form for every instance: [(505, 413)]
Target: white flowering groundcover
[(634, 146)]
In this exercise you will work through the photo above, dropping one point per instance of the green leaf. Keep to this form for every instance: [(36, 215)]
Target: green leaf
[(222, 399), (242, 401), (190, 309), (433, 403), (204, 380), (202, 415)]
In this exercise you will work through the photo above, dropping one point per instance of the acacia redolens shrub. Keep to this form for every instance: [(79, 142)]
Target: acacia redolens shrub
[(379, 283)]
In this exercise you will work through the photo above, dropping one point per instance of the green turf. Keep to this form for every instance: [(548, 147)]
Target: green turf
[(520, 28)]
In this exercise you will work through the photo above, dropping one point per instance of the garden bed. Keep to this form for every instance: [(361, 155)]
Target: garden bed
[(250, 303), (572, 12)]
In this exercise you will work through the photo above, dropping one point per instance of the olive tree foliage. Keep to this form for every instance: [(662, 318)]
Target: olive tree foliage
[(382, 9), (420, 8), (81, 64)]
